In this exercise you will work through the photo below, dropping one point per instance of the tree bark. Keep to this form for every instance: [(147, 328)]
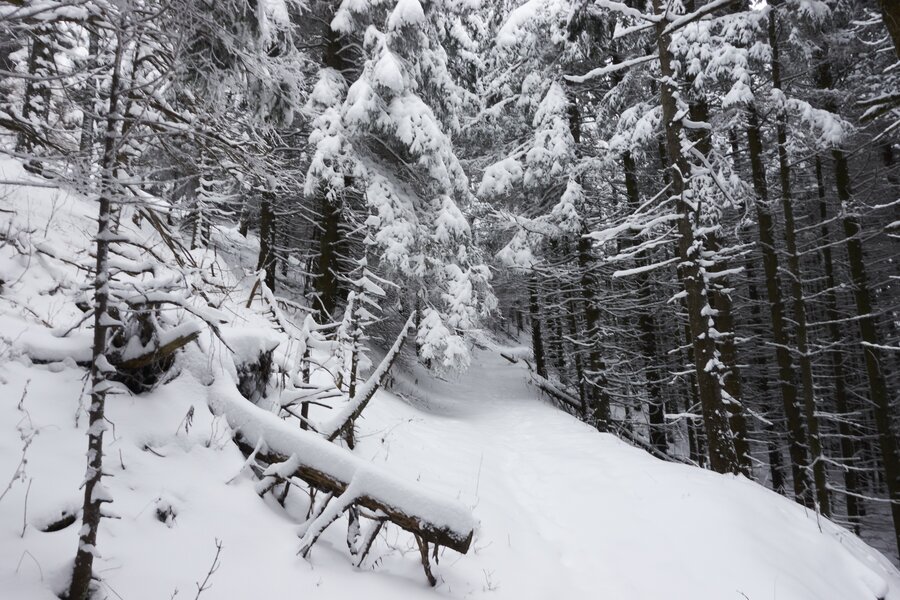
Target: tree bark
[(797, 438), (878, 392), (890, 12), (799, 304), (537, 338), (326, 279), (720, 301), (647, 325), (722, 453), (36, 99), (836, 358), (266, 250), (94, 494), (597, 383), (332, 469)]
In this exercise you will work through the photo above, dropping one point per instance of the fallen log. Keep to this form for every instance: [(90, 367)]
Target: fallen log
[(556, 393), (632, 439), (511, 359), (169, 342), (563, 397), (332, 469)]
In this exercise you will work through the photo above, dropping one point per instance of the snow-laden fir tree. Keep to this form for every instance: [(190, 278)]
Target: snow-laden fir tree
[(389, 134)]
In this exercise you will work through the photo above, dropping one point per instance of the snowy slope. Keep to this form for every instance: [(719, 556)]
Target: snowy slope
[(563, 511)]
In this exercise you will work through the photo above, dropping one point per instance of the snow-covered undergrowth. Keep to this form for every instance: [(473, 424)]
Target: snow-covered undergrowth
[(562, 511)]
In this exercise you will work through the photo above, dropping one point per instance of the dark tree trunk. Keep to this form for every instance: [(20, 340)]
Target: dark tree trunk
[(327, 268), (266, 229), (820, 478), (836, 359), (722, 453), (338, 55), (597, 383), (86, 142), (36, 99), (795, 430), (94, 494), (537, 340), (577, 356), (890, 11), (882, 402), (720, 301), (647, 325), (878, 393)]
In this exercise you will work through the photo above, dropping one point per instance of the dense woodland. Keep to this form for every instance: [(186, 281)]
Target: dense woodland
[(690, 210)]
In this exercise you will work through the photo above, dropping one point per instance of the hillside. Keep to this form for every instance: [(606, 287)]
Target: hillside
[(562, 511)]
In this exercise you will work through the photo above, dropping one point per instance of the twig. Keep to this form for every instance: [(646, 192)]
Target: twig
[(27, 436), (202, 587), (21, 558), (423, 551), (25, 509)]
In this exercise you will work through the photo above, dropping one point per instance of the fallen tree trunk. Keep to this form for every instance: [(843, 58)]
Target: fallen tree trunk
[(547, 386), (567, 399), (349, 412), (554, 392), (170, 342), (334, 470)]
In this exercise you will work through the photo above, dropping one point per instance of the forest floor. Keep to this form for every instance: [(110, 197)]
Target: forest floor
[(563, 512)]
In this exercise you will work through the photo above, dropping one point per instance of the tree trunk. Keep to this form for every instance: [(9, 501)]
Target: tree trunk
[(878, 392), (646, 325), (836, 358), (722, 453), (577, 356), (338, 55), (326, 280), (36, 99), (720, 301), (598, 384), (795, 430), (537, 340), (799, 304), (86, 141), (890, 12), (94, 493), (266, 250)]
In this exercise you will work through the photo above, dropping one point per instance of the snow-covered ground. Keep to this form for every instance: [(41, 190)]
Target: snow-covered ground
[(563, 512)]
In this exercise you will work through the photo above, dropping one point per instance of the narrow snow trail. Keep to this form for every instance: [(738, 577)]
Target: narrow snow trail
[(567, 512)]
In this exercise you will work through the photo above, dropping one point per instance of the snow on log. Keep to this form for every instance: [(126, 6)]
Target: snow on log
[(554, 392), (350, 411), (168, 342), (333, 469)]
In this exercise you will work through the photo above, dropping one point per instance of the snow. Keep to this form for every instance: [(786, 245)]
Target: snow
[(248, 343), (610, 68), (518, 254), (565, 214), (387, 72), (406, 12), (41, 345), (500, 177), (559, 510), (554, 146), (256, 424), (511, 31)]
